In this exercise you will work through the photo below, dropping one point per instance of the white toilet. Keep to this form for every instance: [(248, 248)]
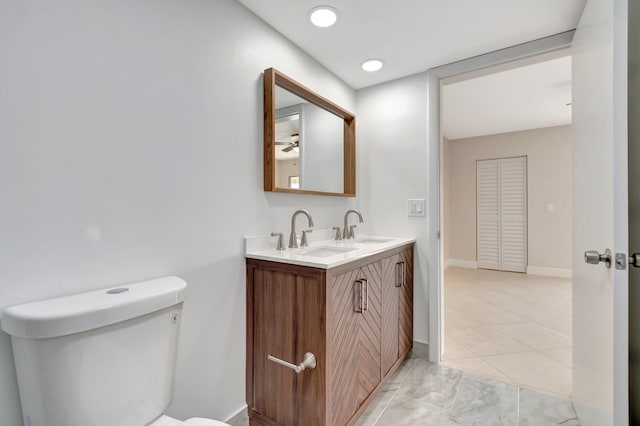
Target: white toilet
[(102, 358)]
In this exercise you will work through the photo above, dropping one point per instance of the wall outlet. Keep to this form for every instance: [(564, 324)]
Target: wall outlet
[(417, 207)]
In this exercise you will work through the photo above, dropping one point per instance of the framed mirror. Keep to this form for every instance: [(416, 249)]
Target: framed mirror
[(309, 141)]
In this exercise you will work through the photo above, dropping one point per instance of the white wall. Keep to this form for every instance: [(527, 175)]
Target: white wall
[(392, 164), (549, 164), (131, 148), (322, 150)]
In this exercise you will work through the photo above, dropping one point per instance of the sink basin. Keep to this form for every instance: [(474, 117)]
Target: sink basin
[(327, 251), (371, 240)]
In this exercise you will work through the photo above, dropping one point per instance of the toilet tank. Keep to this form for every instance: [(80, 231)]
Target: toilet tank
[(104, 357)]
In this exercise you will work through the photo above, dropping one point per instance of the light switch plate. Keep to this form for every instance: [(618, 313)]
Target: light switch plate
[(417, 207)]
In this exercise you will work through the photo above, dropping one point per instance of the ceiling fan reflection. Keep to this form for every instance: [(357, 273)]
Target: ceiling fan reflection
[(292, 143)]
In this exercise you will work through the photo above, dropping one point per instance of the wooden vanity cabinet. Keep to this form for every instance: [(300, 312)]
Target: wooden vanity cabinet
[(357, 319)]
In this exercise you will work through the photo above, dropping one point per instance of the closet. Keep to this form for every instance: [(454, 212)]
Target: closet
[(501, 214)]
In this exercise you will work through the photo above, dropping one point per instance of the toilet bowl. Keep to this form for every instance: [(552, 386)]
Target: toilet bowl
[(101, 358)]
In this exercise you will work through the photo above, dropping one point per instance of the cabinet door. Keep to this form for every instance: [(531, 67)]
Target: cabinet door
[(274, 334), (391, 282), (344, 304), (405, 326), (288, 319), (369, 331), (355, 371)]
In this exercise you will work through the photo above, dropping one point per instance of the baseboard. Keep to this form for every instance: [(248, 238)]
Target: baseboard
[(240, 417), (459, 263), (420, 350), (549, 272)]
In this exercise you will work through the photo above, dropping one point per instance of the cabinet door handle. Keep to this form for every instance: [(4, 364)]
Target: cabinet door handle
[(399, 274), (359, 295), (309, 362), (404, 274), (366, 294)]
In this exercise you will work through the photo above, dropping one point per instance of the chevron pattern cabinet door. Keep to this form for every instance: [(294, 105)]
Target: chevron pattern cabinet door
[(356, 346), (369, 365), (390, 311), (405, 332), (344, 387)]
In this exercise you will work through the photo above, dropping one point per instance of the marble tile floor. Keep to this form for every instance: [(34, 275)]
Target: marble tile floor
[(514, 328), (422, 393)]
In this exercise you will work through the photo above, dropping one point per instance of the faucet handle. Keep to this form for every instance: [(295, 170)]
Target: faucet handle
[(280, 236), (338, 233), (352, 231), (303, 239)]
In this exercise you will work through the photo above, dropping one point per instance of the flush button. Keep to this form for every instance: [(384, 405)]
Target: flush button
[(117, 290)]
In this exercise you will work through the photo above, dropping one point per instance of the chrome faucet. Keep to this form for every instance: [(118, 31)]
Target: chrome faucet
[(293, 241), (347, 232)]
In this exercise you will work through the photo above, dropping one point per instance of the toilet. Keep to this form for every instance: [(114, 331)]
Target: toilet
[(101, 358)]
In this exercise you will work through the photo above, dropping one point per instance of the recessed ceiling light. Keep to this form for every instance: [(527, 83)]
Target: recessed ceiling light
[(372, 65), (323, 16)]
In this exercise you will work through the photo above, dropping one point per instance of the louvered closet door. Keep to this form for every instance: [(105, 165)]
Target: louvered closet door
[(488, 213), (502, 214), (513, 200)]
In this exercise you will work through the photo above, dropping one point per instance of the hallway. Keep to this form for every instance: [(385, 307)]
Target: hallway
[(511, 327)]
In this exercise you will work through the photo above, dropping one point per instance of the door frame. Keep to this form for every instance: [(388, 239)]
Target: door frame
[(504, 59)]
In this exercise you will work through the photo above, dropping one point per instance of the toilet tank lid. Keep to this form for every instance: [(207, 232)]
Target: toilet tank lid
[(86, 311)]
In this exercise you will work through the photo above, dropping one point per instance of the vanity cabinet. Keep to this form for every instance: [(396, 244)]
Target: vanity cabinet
[(356, 319)]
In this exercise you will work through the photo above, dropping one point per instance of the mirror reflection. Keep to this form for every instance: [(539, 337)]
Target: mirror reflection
[(308, 145)]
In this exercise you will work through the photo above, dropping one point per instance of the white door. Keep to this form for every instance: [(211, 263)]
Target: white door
[(488, 213), (501, 211), (600, 345), (513, 214)]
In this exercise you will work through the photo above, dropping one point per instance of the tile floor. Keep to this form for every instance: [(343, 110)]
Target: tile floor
[(422, 393), (515, 328)]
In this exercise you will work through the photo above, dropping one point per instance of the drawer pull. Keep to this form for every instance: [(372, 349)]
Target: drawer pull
[(400, 274), (361, 294), (358, 293), (366, 294), (309, 362)]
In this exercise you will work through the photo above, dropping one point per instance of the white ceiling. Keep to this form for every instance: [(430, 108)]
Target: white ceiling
[(411, 36), (528, 97)]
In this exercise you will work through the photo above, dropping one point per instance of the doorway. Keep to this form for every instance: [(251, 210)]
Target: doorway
[(506, 231)]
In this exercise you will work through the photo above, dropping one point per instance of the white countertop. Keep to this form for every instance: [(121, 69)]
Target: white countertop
[(323, 251)]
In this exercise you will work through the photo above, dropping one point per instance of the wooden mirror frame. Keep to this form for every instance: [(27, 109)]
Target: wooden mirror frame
[(273, 78)]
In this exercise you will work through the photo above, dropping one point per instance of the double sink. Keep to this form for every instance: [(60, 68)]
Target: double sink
[(324, 252), (322, 249)]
